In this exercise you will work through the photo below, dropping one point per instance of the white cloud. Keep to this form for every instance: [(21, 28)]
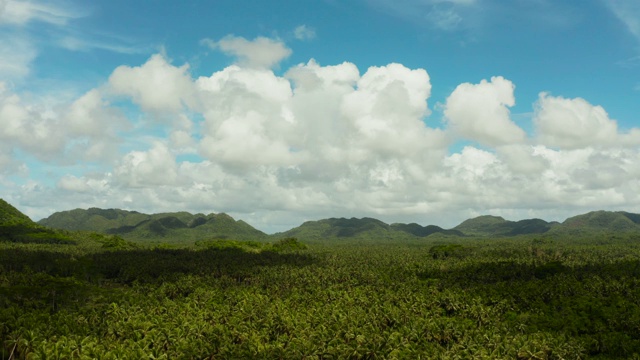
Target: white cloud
[(480, 112), (387, 111), (154, 167), (318, 141), (244, 122), (522, 159), (28, 128), (91, 127), (304, 32), (260, 52), (156, 86), (574, 123), (83, 130)]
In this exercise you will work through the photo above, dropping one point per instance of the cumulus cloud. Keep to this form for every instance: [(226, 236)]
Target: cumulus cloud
[(83, 130), (156, 166), (28, 128), (575, 123), (480, 112), (314, 115), (260, 52), (244, 112), (318, 141), (156, 86), (387, 111)]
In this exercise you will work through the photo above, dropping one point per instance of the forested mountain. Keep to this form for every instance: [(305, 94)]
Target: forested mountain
[(488, 225), (17, 227), (138, 226), (422, 231), (604, 221), (340, 228), (134, 225), (364, 228)]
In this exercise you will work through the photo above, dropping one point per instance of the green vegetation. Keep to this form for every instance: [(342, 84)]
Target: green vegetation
[(618, 221), (554, 295), (179, 227), (18, 228), (521, 298), (488, 225)]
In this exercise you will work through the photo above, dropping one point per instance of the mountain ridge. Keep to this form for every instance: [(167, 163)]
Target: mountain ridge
[(161, 226), (136, 225)]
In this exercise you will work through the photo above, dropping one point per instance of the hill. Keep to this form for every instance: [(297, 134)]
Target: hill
[(18, 227), (423, 231), (488, 225), (607, 221), (339, 228), (133, 225), (361, 228)]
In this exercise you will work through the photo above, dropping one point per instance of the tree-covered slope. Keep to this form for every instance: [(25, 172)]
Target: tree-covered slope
[(423, 231), (341, 228), (604, 221), (489, 225), (134, 225), (17, 227), (362, 228)]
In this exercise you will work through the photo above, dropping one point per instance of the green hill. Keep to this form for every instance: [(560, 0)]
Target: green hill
[(604, 221), (9, 215), (133, 225), (17, 227), (489, 225), (423, 231), (362, 229), (365, 228)]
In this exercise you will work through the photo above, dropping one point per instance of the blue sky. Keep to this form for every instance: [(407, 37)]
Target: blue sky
[(278, 112)]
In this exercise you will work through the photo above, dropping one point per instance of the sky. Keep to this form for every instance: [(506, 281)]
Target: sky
[(279, 112)]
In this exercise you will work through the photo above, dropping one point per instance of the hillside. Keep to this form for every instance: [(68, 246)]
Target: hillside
[(340, 228), (423, 231), (17, 227), (489, 225), (361, 228), (607, 221), (184, 226), (133, 225)]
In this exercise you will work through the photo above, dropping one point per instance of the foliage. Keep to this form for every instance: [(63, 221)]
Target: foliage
[(288, 244), (178, 227), (423, 231), (617, 221), (521, 298), (445, 251), (18, 228), (116, 243), (497, 226)]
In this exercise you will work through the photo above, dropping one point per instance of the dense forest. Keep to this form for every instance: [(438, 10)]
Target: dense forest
[(75, 294)]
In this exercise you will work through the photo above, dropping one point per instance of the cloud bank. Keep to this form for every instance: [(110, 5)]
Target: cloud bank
[(313, 141)]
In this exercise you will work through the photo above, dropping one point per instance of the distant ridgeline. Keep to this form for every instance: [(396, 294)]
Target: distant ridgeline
[(133, 225), (17, 227), (138, 226)]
